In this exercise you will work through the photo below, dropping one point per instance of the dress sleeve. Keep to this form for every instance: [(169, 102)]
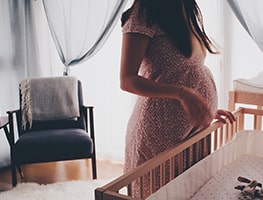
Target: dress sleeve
[(135, 24)]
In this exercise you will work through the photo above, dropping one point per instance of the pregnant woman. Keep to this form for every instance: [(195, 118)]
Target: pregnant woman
[(163, 51)]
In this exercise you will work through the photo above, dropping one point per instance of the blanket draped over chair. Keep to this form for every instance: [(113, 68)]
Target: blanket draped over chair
[(49, 98)]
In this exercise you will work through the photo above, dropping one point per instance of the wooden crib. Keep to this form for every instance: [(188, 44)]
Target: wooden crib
[(219, 134)]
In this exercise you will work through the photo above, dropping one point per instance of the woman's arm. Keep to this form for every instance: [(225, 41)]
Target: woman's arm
[(134, 47)]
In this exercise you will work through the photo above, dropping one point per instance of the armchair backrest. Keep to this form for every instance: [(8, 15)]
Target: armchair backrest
[(80, 122)]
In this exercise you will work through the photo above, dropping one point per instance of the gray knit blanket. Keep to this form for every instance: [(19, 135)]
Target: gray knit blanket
[(49, 98)]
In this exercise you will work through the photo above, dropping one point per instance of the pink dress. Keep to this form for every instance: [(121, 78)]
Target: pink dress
[(158, 124)]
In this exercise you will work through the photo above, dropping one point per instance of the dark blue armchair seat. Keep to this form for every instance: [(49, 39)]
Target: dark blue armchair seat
[(53, 145)]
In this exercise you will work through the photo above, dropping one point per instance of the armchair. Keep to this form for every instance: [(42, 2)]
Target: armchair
[(43, 139)]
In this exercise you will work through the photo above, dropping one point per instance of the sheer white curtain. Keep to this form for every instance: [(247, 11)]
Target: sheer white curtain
[(18, 57), (81, 27), (250, 15)]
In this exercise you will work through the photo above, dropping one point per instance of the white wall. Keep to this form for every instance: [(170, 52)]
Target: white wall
[(246, 57)]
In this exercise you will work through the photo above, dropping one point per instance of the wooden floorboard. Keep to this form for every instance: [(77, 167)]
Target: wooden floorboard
[(45, 173)]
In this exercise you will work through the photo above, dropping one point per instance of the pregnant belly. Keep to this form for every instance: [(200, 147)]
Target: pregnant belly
[(201, 80)]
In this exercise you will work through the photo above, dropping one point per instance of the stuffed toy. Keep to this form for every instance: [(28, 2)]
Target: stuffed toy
[(250, 191)]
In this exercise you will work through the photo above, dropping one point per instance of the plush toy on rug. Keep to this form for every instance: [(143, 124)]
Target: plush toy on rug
[(253, 190)]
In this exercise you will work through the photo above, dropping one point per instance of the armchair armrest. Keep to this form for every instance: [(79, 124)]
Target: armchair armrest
[(88, 112), (12, 111), (10, 134)]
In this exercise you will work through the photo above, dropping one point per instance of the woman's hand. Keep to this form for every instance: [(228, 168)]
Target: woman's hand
[(223, 115), (196, 108)]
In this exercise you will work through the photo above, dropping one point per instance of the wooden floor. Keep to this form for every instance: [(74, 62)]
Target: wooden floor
[(61, 171)]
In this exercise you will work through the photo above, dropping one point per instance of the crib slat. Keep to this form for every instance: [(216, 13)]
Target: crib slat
[(180, 163), (232, 130), (187, 158), (241, 122), (195, 153), (235, 127), (205, 146), (153, 180), (228, 132), (209, 144), (172, 168), (162, 174), (215, 140), (221, 137), (258, 120), (237, 123)]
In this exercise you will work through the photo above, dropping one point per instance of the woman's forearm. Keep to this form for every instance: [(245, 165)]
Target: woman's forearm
[(148, 88)]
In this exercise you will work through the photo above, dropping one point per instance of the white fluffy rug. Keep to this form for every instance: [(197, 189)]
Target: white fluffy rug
[(68, 190)]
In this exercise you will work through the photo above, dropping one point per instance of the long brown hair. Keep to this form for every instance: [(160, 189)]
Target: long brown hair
[(177, 18)]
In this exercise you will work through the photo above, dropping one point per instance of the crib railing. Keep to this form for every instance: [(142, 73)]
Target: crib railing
[(217, 134)]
